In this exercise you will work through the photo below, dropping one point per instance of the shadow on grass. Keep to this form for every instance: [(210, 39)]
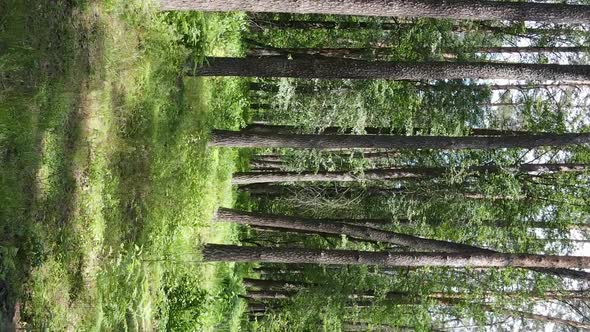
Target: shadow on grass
[(42, 62)]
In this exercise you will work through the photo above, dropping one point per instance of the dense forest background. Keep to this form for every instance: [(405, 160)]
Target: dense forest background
[(190, 171)]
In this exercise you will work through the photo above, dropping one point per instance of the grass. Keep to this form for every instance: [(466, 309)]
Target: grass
[(107, 187)]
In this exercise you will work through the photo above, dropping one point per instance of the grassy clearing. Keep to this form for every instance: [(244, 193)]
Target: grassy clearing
[(106, 185)]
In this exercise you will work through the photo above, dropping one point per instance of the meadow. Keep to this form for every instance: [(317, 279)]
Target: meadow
[(107, 187)]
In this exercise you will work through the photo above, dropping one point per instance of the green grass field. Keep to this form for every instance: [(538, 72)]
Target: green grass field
[(107, 187)]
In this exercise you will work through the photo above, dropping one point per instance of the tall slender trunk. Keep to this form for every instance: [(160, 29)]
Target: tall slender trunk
[(368, 234), (364, 327), (531, 49), (285, 289), (336, 68), (267, 164), (241, 178), (537, 317), (531, 86), (327, 25), (457, 27), (450, 9), (222, 138), (265, 128), (381, 52), (272, 284), (342, 52), (496, 87), (232, 253)]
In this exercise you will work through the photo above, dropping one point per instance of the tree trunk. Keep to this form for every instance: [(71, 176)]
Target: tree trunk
[(256, 307), (364, 327), (336, 68), (496, 87), (241, 178), (381, 52), (344, 53), (273, 88), (327, 25), (537, 317), (271, 284), (232, 253), (457, 27), (531, 86), (539, 225), (368, 234), (269, 295), (450, 9), (223, 138), (531, 49), (265, 128), (266, 164)]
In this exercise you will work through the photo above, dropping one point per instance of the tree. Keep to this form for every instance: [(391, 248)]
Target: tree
[(451, 9), (383, 52), (337, 68), (223, 138), (232, 253), (241, 178), (518, 30), (262, 127), (366, 233)]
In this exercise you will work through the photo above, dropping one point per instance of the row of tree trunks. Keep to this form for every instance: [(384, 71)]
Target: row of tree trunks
[(232, 253), (452, 9), (366, 233), (337, 68), (393, 173), (223, 138), (442, 298)]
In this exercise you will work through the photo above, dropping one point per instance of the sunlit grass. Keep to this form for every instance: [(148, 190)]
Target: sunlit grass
[(111, 181)]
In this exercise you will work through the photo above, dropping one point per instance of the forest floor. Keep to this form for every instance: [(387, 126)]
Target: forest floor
[(107, 187)]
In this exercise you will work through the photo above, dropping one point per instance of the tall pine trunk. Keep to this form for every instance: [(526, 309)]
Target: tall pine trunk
[(537, 317), (450, 9), (336, 68), (261, 127), (381, 52), (232, 253), (392, 173), (223, 138), (517, 30)]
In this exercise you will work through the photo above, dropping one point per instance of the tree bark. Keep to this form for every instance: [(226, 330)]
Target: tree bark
[(269, 295), (241, 178), (531, 49), (265, 128), (271, 284), (336, 68), (327, 25), (450, 9), (232, 253), (223, 138), (459, 28), (364, 327), (367, 234), (381, 52), (537, 317)]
